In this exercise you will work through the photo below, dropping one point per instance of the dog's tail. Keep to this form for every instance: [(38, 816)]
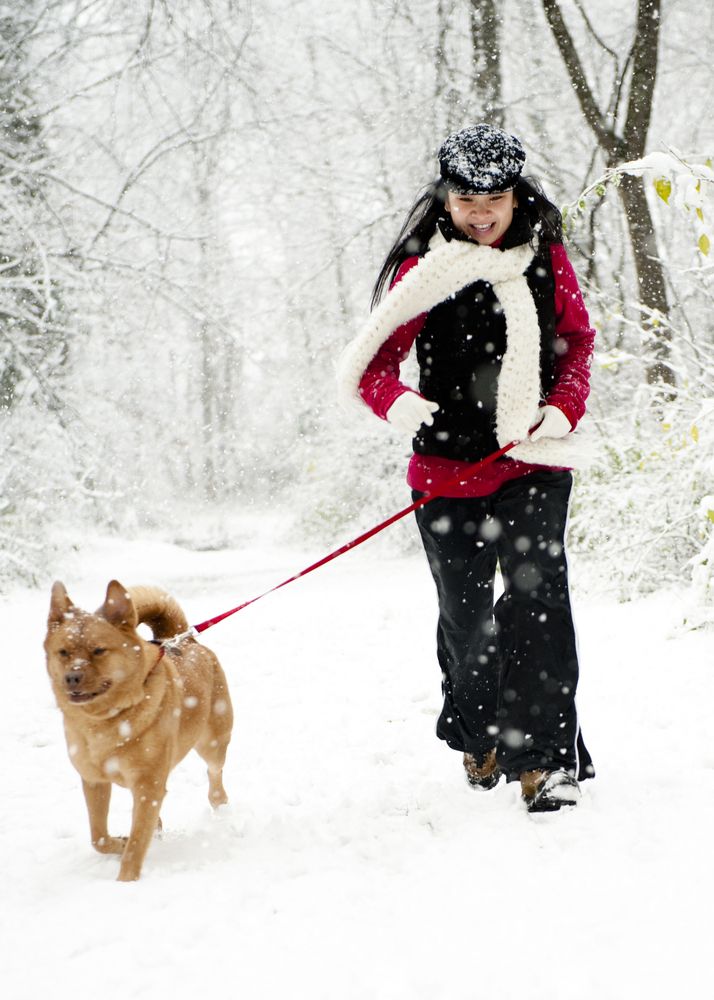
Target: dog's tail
[(159, 611)]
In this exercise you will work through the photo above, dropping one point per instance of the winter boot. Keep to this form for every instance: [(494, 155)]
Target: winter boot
[(546, 791), (482, 775)]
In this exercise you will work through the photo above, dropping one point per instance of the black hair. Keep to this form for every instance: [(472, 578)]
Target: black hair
[(542, 216), (413, 239)]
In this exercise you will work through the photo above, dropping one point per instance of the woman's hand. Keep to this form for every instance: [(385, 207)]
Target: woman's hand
[(409, 411), (553, 424)]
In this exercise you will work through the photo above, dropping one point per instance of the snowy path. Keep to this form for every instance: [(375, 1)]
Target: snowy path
[(354, 862)]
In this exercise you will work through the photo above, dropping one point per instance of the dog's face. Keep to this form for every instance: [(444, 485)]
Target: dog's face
[(95, 661)]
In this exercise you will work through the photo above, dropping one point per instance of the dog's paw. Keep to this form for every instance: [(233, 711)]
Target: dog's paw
[(129, 874), (110, 845)]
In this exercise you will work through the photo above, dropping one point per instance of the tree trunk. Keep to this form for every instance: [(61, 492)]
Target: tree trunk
[(34, 343), (486, 62), (208, 368), (650, 278), (447, 95), (630, 145)]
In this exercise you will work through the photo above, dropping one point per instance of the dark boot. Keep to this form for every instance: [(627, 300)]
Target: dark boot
[(484, 773), (546, 791)]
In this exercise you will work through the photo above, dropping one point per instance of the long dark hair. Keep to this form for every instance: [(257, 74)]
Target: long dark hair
[(535, 210)]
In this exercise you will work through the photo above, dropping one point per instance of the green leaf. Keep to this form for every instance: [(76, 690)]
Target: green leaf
[(710, 515), (663, 187), (704, 244)]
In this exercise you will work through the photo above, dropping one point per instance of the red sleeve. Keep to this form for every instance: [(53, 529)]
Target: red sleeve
[(380, 384), (574, 340)]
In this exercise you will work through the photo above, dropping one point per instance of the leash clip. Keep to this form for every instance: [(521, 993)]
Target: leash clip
[(175, 641)]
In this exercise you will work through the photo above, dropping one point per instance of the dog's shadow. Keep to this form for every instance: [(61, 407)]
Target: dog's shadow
[(213, 840)]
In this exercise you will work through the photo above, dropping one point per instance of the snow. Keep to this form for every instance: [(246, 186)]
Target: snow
[(354, 862), (467, 159)]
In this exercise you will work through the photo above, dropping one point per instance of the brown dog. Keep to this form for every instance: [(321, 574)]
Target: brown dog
[(133, 709)]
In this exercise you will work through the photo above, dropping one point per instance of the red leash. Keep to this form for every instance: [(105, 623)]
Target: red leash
[(460, 479)]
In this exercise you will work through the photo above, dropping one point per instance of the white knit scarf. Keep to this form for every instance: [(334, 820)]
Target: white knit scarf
[(440, 274)]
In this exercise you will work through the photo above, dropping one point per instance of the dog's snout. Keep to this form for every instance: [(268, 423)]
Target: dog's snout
[(73, 678)]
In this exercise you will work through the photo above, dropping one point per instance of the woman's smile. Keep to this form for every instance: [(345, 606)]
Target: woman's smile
[(483, 228)]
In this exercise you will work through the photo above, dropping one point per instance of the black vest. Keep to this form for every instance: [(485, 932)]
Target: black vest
[(460, 349)]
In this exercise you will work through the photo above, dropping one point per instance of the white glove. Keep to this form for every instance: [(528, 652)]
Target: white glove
[(409, 411), (553, 424)]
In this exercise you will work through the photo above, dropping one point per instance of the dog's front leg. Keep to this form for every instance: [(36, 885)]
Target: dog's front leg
[(148, 796), (97, 797)]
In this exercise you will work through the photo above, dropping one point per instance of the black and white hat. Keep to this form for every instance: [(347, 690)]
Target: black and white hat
[(481, 159)]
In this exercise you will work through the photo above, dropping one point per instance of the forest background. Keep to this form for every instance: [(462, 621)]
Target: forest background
[(195, 199)]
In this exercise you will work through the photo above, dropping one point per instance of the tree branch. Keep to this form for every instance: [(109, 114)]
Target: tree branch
[(606, 137), (119, 211), (591, 29), (644, 72)]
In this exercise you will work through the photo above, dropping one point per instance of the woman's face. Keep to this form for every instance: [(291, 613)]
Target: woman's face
[(482, 217)]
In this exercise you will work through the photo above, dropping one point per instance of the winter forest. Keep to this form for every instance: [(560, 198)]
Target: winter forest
[(196, 197)]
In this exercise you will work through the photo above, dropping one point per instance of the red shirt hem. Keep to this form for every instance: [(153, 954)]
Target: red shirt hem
[(425, 472)]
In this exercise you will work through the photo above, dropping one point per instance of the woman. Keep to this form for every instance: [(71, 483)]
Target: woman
[(481, 284)]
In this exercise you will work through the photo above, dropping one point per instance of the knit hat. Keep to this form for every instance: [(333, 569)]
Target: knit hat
[(481, 159)]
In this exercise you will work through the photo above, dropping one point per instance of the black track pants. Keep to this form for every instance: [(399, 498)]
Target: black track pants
[(509, 670)]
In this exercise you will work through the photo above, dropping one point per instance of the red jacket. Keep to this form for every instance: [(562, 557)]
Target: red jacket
[(380, 385)]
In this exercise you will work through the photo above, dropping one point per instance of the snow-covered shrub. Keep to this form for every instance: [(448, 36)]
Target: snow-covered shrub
[(637, 511), (683, 183), (352, 478), (642, 511), (48, 493), (702, 603)]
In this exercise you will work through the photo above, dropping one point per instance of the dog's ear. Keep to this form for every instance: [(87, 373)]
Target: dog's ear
[(118, 608), (60, 605)]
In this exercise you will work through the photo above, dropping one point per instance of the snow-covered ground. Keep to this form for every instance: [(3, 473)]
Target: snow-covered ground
[(354, 862)]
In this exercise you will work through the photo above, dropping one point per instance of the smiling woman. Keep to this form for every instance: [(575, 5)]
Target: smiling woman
[(481, 285)]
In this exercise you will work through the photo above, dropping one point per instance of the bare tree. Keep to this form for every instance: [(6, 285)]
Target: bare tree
[(467, 63), (117, 312), (485, 32), (621, 133), (33, 334), (446, 91)]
